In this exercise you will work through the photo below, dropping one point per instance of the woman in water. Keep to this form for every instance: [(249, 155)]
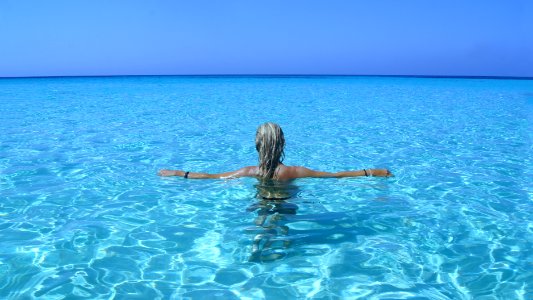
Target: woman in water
[(269, 142), (273, 189)]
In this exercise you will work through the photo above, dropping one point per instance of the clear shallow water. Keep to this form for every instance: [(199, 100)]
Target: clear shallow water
[(83, 215)]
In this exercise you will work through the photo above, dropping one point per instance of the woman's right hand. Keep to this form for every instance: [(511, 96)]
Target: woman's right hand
[(168, 173)]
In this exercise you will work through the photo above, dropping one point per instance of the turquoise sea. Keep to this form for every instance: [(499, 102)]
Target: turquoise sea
[(83, 214)]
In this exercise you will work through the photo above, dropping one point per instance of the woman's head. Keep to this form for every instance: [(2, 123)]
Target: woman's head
[(269, 142)]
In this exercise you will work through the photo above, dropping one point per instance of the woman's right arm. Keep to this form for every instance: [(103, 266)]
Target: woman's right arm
[(301, 172), (243, 172)]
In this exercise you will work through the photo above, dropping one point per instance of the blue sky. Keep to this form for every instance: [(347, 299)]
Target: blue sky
[(374, 37)]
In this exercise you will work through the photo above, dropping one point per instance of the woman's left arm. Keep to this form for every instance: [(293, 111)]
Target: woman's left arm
[(243, 172)]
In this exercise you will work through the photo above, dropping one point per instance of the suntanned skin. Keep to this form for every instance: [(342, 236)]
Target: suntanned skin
[(283, 172)]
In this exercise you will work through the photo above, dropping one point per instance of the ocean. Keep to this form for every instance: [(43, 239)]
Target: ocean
[(83, 214)]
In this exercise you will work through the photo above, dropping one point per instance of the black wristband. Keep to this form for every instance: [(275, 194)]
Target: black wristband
[(186, 175), (366, 174)]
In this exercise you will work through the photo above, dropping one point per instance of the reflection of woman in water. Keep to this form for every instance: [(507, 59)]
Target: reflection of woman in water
[(274, 187), (272, 210)]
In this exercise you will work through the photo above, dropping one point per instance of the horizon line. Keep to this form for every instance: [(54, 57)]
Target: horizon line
[(276, 75)]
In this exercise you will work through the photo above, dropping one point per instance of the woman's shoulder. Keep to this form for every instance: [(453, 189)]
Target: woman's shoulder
[(250, 171), (291, 172), (294, 168)]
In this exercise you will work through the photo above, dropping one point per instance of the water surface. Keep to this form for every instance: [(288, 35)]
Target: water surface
[(84, 216)]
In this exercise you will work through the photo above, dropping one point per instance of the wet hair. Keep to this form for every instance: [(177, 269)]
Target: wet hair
[(269, 143)]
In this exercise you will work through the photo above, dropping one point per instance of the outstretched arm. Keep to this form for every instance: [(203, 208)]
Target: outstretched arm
[(243, 172), (305, 172)]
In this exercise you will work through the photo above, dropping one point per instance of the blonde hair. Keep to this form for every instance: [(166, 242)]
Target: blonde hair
[(269, 143)]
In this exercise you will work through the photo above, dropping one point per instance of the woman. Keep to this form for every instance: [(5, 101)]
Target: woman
[(269, 142), (273, 189)]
